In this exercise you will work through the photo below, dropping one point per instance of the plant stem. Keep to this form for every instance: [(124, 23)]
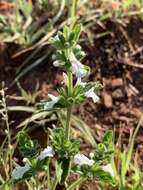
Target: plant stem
[(73, 12), (67, 132), (37, 183), (69, 109), (70, 83), (5, 115), (68, 118), (76, 183), (121, 187), (54, 184), (48, 174)]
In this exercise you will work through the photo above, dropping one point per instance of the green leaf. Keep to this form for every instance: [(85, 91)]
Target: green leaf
[(108, 138), (59, 171), (65, 165), (103, 176), (57, 44), (61, 38), (64, 148), (77, 30), (71, 37), (104, 150), (28, 147), (94, 173), (26, 7), (3, 20), (66, 31)]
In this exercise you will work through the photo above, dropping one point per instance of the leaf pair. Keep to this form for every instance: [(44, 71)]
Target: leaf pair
[(63, 148), (67, 39)]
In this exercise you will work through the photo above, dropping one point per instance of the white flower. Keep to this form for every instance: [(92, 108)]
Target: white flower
[(25, 160), (78, 46), (82, 54), (91, 154), (51, 103), (56, 38), (56, 63), (19, 171), (47, 152), (80, 159), (91, 94), (108, 168), (77, 68), (53, 56), (79, 82)]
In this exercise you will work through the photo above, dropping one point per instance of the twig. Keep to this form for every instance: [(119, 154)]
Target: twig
[(127, 61)]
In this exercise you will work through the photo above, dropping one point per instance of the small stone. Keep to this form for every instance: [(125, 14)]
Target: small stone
[(118, 94), (107, 98), (136, 112), (117, 82)]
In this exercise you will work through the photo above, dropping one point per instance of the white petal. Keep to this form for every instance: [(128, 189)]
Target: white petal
[(56, 63), (51, 103), (80, 159), (79, 82), (83, 54), (53, 56), (78, 46), (19, 171), (54, 98), (47, 152), (77, 68), (108, 168), (56, 38), (91, 94), (91, 154)]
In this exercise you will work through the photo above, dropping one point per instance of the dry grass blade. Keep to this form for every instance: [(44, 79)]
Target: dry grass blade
[(84, 129), (36, 116), (20, 108), (30, 67)]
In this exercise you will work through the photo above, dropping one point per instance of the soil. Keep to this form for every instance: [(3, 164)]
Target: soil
[(115, 60)]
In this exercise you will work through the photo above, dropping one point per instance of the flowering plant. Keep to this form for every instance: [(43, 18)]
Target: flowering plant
[(62, 146)]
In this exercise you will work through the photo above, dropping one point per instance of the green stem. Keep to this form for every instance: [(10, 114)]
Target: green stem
[(69, 109), (73, 12), (48, 174), (8, 129), (54, 184), (66, 167), (37, 183), (67, 132), (121, 187), (70, 83), (76, 183)]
